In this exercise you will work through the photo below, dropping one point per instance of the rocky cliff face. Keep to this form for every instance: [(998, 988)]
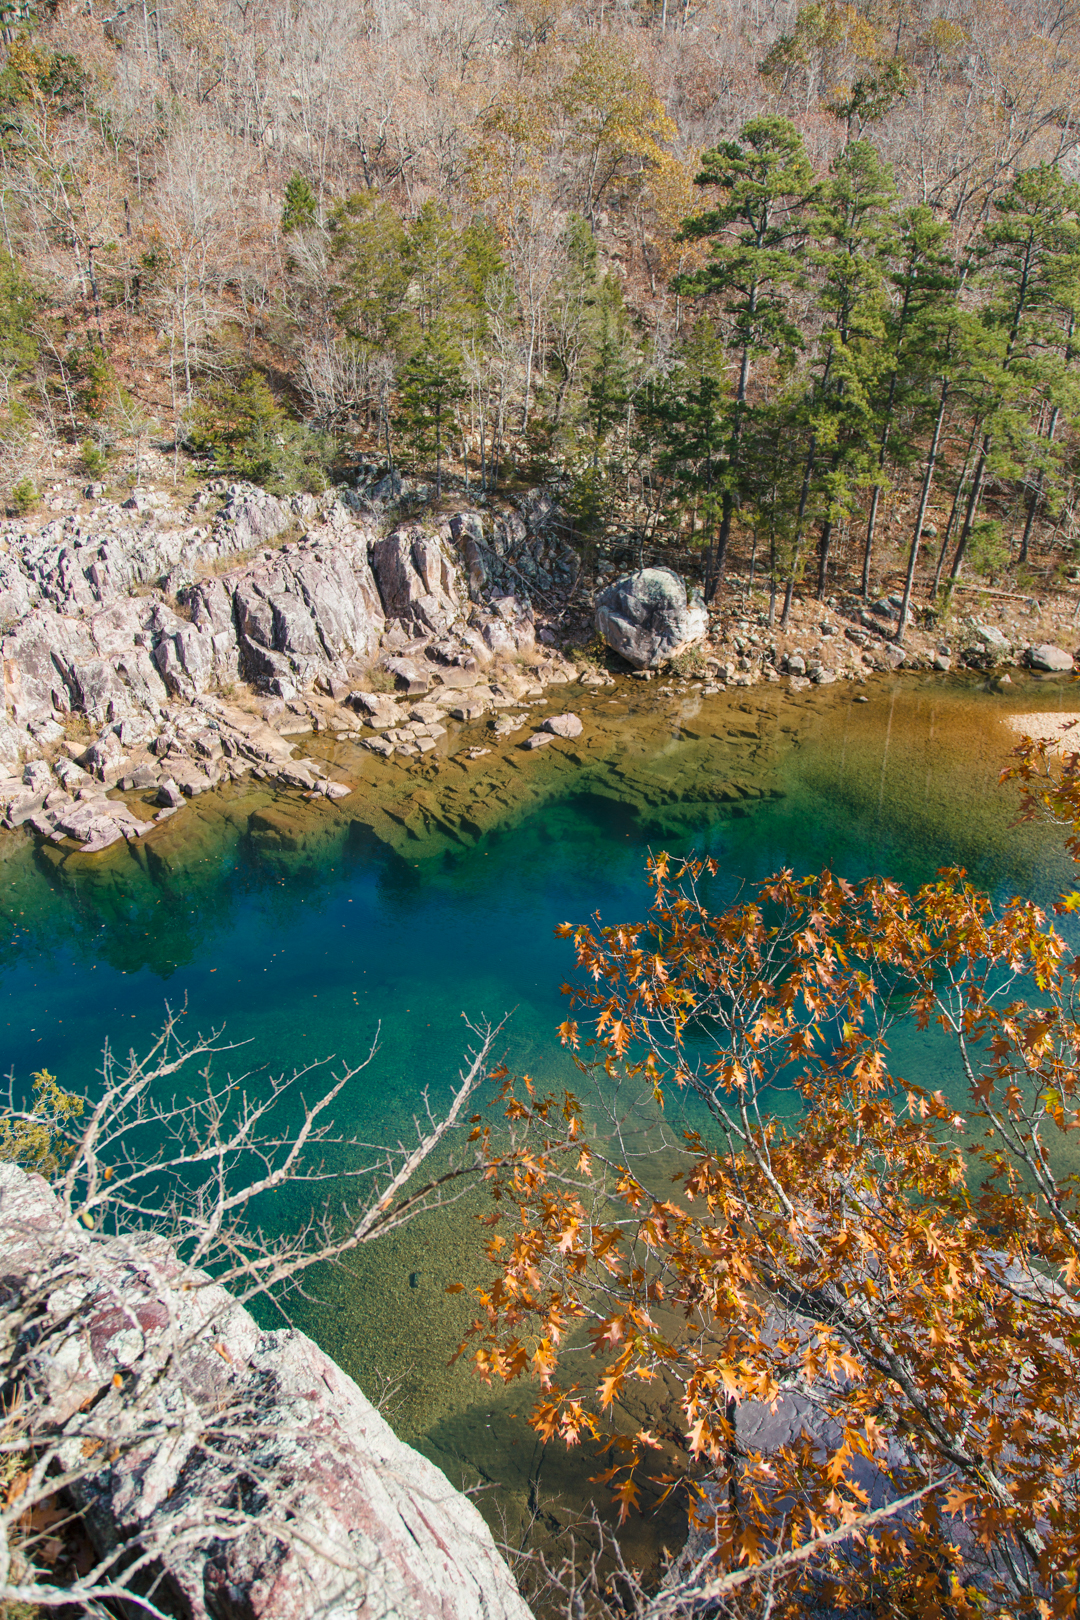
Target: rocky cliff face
[(251, 1473), (140, 645)]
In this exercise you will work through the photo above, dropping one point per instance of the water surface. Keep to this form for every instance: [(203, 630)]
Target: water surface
[(300, 943)]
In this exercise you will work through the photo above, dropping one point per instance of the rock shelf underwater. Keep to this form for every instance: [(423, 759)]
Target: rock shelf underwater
[(672, 759)]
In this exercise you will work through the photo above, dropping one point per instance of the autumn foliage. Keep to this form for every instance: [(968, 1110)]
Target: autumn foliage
[(903, 1258)]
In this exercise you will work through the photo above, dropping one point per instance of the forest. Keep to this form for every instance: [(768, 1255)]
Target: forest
[(801, 280)]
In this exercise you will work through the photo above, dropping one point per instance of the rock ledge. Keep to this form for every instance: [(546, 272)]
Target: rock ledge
[(354, 1522)]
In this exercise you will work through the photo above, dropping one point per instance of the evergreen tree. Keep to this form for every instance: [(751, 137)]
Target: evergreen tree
[(488, 304), (368, 246), (18, 345), (686, 413), (756, 233), (609, 383), (431, 334), (1018, 265), (940, 331), (774, 449), (432, 384), (570, 313), (301, 207), (853, 236), (1061, 392), (914, 384)]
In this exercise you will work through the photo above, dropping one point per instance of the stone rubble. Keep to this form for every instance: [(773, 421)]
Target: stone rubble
[(841, 639)]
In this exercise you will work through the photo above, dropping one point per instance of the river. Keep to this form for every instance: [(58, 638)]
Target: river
[(434, 890)]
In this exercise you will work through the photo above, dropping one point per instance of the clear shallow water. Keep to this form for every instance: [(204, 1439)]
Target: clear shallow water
[(300, 957)]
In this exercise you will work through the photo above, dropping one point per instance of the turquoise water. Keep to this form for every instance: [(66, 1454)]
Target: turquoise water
[(302, 963), (301, 960)]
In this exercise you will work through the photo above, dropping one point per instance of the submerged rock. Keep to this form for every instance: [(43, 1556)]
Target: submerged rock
[(647, 618)]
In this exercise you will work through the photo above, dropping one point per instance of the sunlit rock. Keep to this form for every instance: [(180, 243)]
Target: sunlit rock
[(647, 618), (376, 1529), (1050, 659)]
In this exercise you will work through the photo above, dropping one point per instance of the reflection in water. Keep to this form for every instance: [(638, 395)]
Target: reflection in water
[(299, 928)]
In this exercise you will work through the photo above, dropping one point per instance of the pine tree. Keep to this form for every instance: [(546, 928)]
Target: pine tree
[(608, 392), (487, 302), (914, 385), (853, 236), (301, 207), (431, 333), (570, 313), (368, 246), (1017, 263), (686, 414), (774, 448), (756, 234)]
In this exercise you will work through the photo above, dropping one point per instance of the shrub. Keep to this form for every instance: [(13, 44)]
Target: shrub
[(690, 661), (587, 501), (18, 345), (301, 208), (24, 496), (94, 457), (247, 434)]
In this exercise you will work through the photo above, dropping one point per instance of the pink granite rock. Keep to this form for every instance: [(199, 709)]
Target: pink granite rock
[(257, 1477)]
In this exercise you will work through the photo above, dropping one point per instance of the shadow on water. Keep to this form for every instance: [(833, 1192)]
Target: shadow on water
[(301, 928)]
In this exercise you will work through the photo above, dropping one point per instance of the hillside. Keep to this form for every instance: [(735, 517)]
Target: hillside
[(276, 240)]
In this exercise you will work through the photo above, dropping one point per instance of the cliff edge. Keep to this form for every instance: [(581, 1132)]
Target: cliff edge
[(243, 1473)]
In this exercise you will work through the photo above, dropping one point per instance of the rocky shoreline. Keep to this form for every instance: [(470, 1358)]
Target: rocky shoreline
[(152, 652), (145, 653)]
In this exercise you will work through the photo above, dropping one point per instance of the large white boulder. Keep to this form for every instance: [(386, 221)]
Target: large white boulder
[(648, 619)]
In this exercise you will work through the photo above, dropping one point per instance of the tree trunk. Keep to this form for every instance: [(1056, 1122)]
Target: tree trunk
[(823, 556), (868, 549), (804, 496), (953, 511), (972, 509), (825, 542), (924, 498), (1036, 494), (728, 504), (718, 553), (483, 445), (438, 457)]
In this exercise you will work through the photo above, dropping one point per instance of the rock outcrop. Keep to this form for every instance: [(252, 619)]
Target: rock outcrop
[(648, 619), (523, 551), (268, 1486), (189, 650)]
